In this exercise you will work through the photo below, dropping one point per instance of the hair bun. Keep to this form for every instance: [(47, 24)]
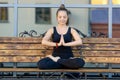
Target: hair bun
[(62, 6)]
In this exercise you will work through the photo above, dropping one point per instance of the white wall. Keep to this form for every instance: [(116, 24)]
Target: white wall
[(7, 29), (26, 18)]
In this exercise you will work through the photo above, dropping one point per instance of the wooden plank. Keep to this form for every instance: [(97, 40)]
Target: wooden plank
[(101, 53), (20, 40), (23, 46), (101, 47), (93, 70), (20, 58), (102, 59), (36, 58), (38, 40), (27, 52), (27, 46), (58, 70), (24, 52), (101, 40)]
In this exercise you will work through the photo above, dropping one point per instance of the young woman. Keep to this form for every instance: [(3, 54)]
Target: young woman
[(62, 39)]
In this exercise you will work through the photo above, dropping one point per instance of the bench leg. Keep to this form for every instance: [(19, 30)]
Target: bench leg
[(85, 76), (2, 75), (110, 74), (43, 76), (14, 73), (62, 76)]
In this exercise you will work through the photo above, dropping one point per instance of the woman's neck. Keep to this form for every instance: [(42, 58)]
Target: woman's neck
[(62, 26), (62, 29)]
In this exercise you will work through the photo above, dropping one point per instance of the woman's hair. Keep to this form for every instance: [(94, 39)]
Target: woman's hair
[(62, 8)]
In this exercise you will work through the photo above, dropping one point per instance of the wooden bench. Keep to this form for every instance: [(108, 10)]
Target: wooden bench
[(94, 50)]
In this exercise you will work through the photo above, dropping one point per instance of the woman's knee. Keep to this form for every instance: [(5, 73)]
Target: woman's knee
[(42, 63), (73, 63), (80, 62), (47, 63)]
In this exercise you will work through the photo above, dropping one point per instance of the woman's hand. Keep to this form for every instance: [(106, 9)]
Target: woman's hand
[(77, 40), (62, 42)]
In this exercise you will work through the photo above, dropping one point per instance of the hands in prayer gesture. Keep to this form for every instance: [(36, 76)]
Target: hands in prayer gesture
[(62, 41)]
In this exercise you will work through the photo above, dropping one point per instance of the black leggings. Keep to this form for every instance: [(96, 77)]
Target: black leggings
[(47, 63)]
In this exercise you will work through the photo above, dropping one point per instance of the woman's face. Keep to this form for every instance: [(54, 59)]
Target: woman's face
[(62, 17)]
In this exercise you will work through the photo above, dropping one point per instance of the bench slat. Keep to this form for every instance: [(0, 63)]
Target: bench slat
[(101, 40), (20, 58), (101, 53), (20, 40), (23, 46), (102, 59), (36, 58), (29, 52), (24, 52), (38, 40), (99, 47), (56, 70), (26, 46)]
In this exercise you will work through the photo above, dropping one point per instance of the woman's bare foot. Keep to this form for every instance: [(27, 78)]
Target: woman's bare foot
[(55, 59)]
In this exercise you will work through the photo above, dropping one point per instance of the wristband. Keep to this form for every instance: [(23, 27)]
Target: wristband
[(56, 45)]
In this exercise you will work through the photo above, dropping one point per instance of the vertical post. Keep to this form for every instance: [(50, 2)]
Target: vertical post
[(15, 27), (110, 29), (110, 19), (15, 18), (14, 66)]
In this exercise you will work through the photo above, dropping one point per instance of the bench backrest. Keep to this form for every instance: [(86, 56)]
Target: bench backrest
[(14, 49), (101, 50), (27, 49)]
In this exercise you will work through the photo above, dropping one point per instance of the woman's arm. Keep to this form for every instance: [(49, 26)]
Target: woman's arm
[(47, 37), (77, 40)]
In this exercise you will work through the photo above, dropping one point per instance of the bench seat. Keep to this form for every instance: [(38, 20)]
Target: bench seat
[(87, 70)]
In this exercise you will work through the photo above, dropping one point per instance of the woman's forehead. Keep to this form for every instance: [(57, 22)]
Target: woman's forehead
[(62, 12)]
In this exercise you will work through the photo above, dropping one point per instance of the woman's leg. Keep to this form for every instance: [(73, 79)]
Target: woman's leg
[(72, 63), (47, 63)]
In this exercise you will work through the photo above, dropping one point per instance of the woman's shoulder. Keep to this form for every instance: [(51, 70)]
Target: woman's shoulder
[(50, 30), (72, 29)]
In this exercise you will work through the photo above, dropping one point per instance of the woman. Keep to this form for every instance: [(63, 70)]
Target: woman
[(62, 39)]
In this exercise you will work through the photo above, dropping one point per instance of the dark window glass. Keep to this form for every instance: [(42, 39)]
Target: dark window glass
[(3, 14), (43, 16)]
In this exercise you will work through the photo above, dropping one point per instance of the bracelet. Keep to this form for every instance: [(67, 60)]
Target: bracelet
[(56, 45)]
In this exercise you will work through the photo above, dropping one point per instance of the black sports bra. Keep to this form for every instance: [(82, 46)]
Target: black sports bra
[(62, 51)]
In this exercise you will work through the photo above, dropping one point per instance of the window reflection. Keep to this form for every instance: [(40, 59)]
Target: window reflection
[(104, 1), (43, 16), (99, 1), (116, 1), (3, 14)]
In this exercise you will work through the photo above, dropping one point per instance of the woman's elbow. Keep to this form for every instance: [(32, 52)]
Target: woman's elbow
[(80, 42), (42, 42)]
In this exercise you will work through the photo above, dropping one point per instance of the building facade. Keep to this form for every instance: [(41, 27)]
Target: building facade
[(24, 15)]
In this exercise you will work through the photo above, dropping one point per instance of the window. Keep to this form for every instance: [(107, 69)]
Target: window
[(43, 16), (116, 1), (104, 1), (3, 14), (99, 1)]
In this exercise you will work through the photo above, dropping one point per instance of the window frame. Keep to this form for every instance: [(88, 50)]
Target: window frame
[(4, 14), (45, 17)]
